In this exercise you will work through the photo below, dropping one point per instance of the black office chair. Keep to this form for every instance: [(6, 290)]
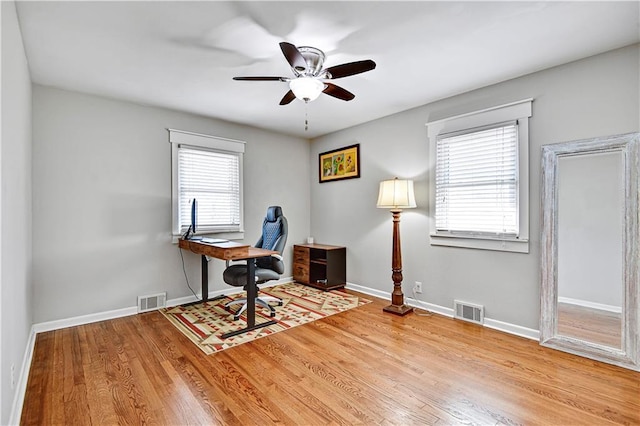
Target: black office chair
[(274, 237)]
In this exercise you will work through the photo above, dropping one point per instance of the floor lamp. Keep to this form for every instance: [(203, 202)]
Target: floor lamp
[(396, 194)]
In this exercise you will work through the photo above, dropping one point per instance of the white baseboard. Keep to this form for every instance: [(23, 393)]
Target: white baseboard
[(133, 310), (528, 333), (367, 290), (514, 329), (21, 385), (437, 309), (592, 305), (84, 319)]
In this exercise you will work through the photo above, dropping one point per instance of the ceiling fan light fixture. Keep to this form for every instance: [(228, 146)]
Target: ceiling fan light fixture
[(306, 88), (307, 64)]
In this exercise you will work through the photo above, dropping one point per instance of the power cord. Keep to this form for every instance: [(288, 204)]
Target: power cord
[(184, 271), (415, 310)]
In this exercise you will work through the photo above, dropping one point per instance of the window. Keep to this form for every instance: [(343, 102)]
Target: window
[(477, 181), (208, 169), (480, 179)]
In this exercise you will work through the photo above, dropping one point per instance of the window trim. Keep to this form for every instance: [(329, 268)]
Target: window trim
[(519, 111), (198, 140)]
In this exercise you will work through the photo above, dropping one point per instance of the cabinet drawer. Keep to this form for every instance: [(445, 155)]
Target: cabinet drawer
[(301, 273), (300, 255)]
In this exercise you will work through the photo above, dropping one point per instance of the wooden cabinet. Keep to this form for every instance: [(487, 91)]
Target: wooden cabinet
[(319, 265)]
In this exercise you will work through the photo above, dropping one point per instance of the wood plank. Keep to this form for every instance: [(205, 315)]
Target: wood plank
[(592, 325), (362, 366)]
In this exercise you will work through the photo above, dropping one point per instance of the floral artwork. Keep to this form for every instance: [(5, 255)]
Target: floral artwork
[(343, 163)]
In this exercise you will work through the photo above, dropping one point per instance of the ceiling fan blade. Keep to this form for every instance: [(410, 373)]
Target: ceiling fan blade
[(261, 78), (352, 68), (338, 92), (288, 97), (294, 57)]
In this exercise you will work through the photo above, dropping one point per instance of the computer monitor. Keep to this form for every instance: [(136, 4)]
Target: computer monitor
[(189, 235), (194, 204)]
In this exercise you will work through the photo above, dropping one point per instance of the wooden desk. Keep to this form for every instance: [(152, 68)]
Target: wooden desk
[(230, 250)]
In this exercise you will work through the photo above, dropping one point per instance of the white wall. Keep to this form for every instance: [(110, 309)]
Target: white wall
[(592, 97), (102, 200), (16, 312)]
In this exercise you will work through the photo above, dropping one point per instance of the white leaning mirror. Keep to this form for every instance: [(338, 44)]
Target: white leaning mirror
[(589, 292)]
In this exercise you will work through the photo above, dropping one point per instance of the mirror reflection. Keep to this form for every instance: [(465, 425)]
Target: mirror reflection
[(590, 278), (590, 215)]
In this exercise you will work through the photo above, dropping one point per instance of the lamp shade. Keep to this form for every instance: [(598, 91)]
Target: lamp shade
[(306, 88), (396, 194)]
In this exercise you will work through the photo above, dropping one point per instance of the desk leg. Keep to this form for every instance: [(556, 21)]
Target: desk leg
[(251, 304), (204, 271), (251, 293), (204, 266)]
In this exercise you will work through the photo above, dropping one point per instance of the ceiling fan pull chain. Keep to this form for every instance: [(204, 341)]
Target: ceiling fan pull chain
[(306, 116)]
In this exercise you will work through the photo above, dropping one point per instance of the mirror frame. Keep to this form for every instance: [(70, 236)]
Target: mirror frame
[(628, 356)]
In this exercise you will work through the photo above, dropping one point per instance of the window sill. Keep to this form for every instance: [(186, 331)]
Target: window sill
[(515, 246)]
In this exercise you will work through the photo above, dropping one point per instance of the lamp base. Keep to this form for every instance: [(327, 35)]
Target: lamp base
[(398, 309)]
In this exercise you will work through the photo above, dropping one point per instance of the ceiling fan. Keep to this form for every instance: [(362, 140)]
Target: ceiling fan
[(307, 65)]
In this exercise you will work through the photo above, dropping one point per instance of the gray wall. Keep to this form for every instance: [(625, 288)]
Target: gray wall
[(16, 311), (102, 200), (592, 97), (590, 207)]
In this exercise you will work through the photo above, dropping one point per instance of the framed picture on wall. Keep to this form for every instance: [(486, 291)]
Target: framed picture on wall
[(342, 163)]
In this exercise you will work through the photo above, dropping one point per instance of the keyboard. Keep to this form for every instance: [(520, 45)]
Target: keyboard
[(212, 240)]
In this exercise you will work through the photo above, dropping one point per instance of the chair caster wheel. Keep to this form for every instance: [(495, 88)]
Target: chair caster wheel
[(280, 303), (236, 317), (273, 314)]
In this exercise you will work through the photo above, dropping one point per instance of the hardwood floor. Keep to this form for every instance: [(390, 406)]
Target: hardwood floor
[(359, 367), (593, 325)]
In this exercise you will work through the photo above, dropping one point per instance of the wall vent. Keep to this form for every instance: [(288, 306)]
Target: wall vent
[(468, 312), (152, 302)]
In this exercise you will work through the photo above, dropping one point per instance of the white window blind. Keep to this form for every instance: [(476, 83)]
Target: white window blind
[(477, 181), (213, 179)]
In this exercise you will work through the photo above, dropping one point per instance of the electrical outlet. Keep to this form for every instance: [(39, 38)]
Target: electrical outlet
[(418, 287), (13, 376)]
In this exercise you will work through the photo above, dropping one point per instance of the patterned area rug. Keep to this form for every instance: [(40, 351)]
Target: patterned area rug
[(204, 323)]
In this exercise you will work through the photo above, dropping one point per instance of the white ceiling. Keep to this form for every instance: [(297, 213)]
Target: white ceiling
[(183, 55)]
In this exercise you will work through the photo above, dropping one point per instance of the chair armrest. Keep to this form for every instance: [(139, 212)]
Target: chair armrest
[(277, 256)]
